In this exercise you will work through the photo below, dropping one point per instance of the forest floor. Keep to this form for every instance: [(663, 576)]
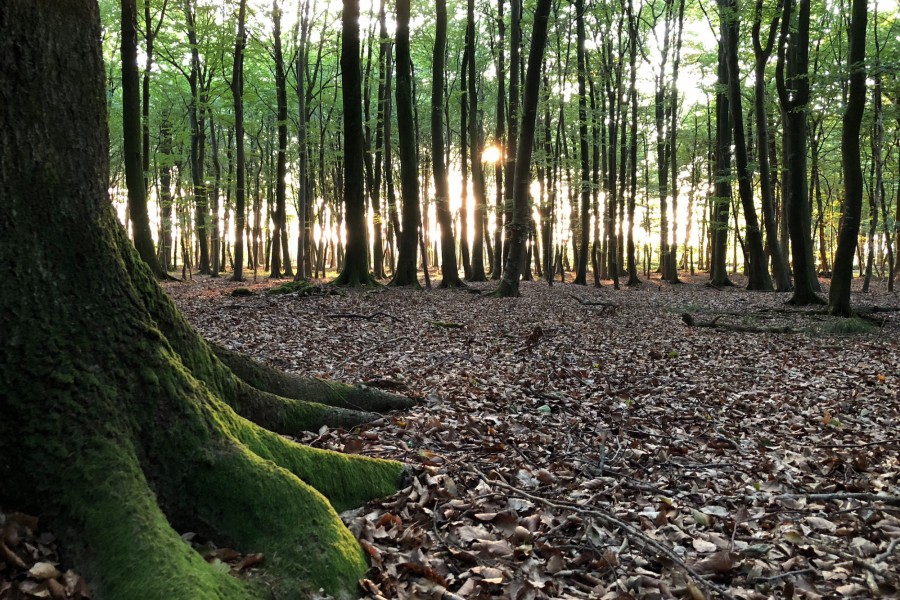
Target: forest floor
[(564, 449)]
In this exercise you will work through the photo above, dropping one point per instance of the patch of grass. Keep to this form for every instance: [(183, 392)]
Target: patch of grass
[(851, 326)]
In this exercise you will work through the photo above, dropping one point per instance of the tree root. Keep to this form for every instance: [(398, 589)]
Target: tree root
[(310, 389), (714, 324)]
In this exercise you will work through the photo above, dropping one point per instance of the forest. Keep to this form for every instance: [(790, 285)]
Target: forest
[(497, 299), (665, 139)]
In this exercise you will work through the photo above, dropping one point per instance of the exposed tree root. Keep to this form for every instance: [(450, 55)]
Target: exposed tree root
[(297, 387), (714, 324)]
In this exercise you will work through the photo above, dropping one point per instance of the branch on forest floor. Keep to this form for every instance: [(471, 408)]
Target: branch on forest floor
[(860, 496), (371, 317), (714, 324), (607, 519), (606, 307)]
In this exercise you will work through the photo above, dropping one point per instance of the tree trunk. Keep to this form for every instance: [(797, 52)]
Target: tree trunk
[(478, 273), (240, 165), (793, 95), (730, 27), (356, 262), (583, 155), (131, 150), (449, 270), (721, 200), (406, 272), (520, 225), (839, 294), (125, 428)]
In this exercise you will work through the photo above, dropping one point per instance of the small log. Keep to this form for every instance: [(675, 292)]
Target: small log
[(714, 324)]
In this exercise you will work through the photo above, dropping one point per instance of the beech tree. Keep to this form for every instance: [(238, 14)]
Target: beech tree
[(839, 294), (119, 422)]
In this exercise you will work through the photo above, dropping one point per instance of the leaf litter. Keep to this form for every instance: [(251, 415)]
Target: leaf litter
[(567, 449)]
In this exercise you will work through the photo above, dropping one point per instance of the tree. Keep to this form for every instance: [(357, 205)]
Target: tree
[(721, 200), (793, 95), (237, 92), (585, 187), (839, 294), (356, 262), (761, 54), (406, 273), (449, 270), (730, 25), (521, 222), (281, 257), (475, 147), (131, 126), (123, 425)]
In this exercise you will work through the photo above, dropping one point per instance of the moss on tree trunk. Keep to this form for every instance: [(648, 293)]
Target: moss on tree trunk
[(117, 421)]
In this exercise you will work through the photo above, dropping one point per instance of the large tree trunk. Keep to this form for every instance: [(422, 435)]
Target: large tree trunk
[(281, 258), (409, 169), (124, 428), (839, 294)]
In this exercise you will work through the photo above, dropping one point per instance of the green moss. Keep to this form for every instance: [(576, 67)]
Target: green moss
[(126, 545), (263, 507)]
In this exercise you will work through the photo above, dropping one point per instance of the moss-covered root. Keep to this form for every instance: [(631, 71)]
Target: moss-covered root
[(290, 417), (346, 480), (258, 506), (126, 547), (290, 385)]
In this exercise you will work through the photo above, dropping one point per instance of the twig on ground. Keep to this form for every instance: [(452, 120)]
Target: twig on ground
[(374, 315), (607, 519)]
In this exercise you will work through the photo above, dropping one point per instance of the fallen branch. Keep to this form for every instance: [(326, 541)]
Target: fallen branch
[(374, 315), (607, 519), (862, 445), (861, 496), (607, 307), (714, 324)]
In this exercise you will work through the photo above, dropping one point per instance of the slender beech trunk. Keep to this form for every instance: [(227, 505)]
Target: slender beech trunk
[(584, 157), (839, 294), (730, 26), (475, 147), (780, 269), (721, 200), (793, 95), (406, 272), (449, 270), (131, 149), (520, 225), (240, 165)]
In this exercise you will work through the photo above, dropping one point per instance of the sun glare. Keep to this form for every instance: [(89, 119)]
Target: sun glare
[(491, 154)]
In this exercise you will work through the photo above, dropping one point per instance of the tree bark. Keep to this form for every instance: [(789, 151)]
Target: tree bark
[(730, 26), (449, 270), (131, 126), (356, 263), (839, 294), (125, 429), (406, 272), (520, 225), (237, 92)]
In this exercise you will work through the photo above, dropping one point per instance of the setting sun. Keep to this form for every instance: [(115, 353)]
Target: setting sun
[(491, 154)]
